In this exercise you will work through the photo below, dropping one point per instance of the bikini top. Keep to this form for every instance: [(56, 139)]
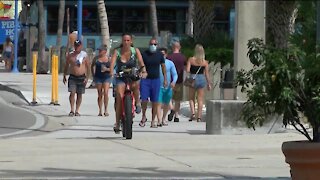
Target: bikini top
[(194, 69), (131, 63)]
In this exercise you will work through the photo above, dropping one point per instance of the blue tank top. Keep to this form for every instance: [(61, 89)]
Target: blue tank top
[(131, 63), (98, 72)]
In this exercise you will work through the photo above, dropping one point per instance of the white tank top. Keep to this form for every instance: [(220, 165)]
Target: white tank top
[(8, 49)]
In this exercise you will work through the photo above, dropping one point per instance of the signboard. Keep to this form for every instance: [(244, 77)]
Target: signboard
[(7, 29)]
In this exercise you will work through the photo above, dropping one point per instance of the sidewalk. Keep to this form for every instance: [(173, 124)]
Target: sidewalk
[(86, 146)]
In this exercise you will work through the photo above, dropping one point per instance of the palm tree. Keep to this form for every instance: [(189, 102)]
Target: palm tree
[(60, 24), (41, 38), (104, 25), (189, 27), (154, 19), (281, 15), (203, 19)]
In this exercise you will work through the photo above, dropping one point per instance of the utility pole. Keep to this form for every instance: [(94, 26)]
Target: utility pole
[(79, 18)]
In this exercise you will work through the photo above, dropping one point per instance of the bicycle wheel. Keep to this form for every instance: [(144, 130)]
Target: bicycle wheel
[(128, 116), (123, 124)]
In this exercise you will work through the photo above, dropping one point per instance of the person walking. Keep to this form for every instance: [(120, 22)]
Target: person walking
[(179, 61), (100, 69), (198, 68), (78, 63), (150, 87), (126, 57), (165, 94), (7, 53)]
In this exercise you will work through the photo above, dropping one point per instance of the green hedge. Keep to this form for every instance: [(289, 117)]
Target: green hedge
[(222, 55)]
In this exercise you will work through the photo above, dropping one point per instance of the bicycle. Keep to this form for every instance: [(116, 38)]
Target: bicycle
[(128, 101)]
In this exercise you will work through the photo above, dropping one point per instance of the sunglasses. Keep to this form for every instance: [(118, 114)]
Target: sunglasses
[(153, 44)]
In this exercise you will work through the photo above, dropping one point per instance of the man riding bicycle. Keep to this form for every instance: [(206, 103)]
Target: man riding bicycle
[(126, 57)]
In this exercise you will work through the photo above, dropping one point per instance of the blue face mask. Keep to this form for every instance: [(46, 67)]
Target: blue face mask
[(152, 48)]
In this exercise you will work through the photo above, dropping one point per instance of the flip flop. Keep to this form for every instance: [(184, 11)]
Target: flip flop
[(71, 113), (106, 114), (142, 123), (76, 114), (99, 114)]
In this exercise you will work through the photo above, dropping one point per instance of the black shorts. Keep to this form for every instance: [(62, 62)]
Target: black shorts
[(76, 84)]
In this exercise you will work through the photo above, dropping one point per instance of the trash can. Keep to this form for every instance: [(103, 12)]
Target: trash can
[(227, 85)]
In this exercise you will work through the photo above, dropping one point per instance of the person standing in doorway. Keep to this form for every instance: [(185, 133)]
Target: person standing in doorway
[(179, 61), (100, 69), (165, 94), (198, 67), (78, 63), (7, 53), (150, 87)]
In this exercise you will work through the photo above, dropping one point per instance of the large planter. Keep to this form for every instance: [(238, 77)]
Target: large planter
[(303, 158)]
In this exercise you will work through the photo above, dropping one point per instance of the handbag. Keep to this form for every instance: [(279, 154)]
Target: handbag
[(189, 81)]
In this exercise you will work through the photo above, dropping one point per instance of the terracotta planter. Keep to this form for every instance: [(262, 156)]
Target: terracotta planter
[(304, 159)]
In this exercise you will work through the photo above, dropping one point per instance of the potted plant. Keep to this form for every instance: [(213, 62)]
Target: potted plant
[(285, 82)]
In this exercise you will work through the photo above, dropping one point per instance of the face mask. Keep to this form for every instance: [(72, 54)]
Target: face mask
[(152, 48)]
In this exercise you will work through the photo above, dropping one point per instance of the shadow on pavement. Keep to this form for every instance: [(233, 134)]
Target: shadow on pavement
[(144, 173)]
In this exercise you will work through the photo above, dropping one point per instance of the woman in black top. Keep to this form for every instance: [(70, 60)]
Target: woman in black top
[(100, 69), (198, 68)]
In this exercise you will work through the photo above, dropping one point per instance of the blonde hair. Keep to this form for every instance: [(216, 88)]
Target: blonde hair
[(199, 53)]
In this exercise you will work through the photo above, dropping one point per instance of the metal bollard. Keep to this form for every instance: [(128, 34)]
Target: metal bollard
[(34, 72)]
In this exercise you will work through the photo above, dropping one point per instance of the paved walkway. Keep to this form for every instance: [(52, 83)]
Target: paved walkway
[(86, 146)]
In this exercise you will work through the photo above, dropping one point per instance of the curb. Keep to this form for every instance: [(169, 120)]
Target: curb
[(17, 92)]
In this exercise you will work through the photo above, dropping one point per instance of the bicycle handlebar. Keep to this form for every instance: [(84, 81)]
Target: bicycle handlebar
[(130, 73)]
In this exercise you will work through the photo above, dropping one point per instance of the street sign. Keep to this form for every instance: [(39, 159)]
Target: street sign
[(7, 29)]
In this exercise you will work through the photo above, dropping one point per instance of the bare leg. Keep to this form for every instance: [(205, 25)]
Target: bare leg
[(200, 93), (136, 93), (106, 87), (120, 93), (191, 101), (177, 108), (154, 111), (159, 117), (78, 102), (99, 89), (71, 100), (144, 109), (165, 111)]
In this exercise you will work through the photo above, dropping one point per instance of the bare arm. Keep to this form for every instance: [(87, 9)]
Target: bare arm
[(66, 67), (207, 75), (113, 61), (140, 60), (188, 65), (87, 64), (93, 64)]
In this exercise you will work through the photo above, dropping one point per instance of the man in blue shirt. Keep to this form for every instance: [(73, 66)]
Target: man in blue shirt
[(165, 94), (150, 86)]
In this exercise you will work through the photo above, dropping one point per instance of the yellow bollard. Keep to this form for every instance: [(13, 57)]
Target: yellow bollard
[(34, 72), (52, 80), (56, 70)]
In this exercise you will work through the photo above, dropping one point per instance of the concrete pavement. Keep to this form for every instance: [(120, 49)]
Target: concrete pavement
[(86, 147)]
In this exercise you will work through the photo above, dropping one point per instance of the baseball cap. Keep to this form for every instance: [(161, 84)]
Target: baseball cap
[(103, 47), (77, 43)]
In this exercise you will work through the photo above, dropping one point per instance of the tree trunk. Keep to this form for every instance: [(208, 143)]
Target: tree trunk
[(189, 28), (281, 15), (104, 25), (60, 23), (41, 39), (203, 19), (154, 19)]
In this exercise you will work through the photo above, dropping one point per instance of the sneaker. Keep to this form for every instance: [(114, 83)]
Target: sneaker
[(138, 108), (170, 116), (176, 119)]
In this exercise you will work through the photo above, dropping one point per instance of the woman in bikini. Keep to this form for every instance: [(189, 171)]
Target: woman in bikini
[(198, 67), (100, 69), (126, 56)]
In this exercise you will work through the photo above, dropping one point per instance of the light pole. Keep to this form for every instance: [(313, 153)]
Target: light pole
[(79, 18), (15, 62)]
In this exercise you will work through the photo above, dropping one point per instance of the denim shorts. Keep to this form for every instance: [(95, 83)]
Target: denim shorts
[(200, 81), (165, 95), (99, 80), (76, 84)]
